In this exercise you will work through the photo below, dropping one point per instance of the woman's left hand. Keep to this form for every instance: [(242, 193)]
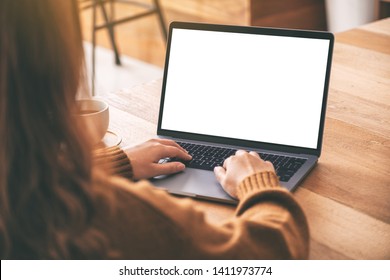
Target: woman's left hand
[(145, 157)]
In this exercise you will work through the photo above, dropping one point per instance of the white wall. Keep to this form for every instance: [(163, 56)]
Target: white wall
[(346, 14)]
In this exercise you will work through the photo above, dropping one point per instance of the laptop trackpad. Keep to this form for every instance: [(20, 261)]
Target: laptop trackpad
[(194, 183)]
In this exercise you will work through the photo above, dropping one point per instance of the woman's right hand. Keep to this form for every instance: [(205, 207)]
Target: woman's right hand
[(236, 168)]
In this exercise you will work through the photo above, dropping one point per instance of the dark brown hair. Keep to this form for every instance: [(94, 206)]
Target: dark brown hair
[(46, 198)]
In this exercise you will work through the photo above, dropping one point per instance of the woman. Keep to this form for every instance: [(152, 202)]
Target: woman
[(57, 203)]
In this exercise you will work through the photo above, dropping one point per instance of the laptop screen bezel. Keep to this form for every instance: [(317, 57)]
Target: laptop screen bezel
[(249, 30)]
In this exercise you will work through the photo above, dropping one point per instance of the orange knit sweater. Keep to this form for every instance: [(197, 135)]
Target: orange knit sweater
[(148, 223)]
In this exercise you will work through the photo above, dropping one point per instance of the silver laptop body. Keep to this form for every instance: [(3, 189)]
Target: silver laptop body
[(250, 88)]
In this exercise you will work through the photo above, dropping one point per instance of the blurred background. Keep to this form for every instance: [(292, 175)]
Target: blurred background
[(142, 38)]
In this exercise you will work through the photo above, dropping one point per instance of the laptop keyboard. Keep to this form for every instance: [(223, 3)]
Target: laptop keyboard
[(207, 157)]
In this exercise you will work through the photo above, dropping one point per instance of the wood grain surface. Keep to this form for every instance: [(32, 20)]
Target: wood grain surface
[(347, 196)]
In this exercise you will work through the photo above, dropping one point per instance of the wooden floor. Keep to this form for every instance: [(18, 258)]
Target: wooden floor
[(112, 78), (142, 38)]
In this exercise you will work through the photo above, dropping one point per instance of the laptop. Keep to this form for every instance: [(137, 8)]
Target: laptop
[(237, 87)]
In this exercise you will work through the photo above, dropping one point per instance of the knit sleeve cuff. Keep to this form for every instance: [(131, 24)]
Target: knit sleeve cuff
[(257, 182), (114, 160), (262, 187)]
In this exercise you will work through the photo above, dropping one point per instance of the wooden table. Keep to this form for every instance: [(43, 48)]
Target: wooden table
[(347, 196)]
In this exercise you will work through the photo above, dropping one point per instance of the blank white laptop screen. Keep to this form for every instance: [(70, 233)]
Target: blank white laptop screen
[(245, 86)]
